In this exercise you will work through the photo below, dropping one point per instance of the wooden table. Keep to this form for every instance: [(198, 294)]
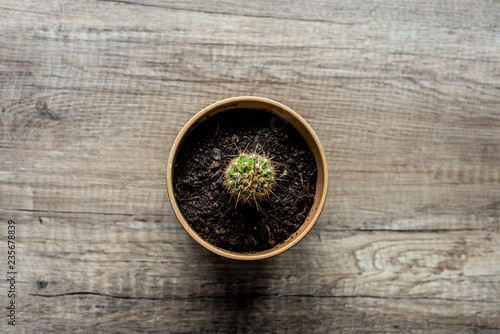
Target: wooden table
[(404, 95)]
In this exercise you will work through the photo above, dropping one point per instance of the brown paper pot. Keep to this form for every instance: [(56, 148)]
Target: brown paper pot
[(304, 130)]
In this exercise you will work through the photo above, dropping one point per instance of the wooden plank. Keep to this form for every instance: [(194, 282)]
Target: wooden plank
[(251, 312)]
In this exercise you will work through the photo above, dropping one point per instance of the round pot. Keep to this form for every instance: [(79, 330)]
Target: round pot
[(307, 134)]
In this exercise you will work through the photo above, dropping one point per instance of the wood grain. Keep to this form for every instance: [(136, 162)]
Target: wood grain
[(404, 95)]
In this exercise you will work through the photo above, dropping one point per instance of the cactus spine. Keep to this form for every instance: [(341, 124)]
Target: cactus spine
[(250, 177)]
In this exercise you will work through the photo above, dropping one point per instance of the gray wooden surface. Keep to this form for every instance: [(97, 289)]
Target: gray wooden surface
[(404, 95)]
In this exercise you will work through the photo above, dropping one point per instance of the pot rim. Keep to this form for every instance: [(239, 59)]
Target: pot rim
[(319, 156)]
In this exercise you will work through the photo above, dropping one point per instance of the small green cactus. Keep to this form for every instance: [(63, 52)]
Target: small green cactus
[(250, 177)]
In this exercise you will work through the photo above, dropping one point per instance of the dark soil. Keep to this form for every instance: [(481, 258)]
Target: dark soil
[(200, 192)]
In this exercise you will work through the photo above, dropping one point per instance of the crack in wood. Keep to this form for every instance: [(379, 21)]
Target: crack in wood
[(230, 14), (93, 213), (258, 295)]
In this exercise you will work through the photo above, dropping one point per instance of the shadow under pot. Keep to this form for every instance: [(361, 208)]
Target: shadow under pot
[(247, 178)]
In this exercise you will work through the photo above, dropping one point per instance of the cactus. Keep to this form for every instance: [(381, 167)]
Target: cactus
[(250, 177)]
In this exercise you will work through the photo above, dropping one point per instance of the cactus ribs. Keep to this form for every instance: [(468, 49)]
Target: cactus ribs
[(250, 178)]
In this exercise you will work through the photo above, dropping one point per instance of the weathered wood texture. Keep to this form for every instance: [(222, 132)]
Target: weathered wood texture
[(404, 95)]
